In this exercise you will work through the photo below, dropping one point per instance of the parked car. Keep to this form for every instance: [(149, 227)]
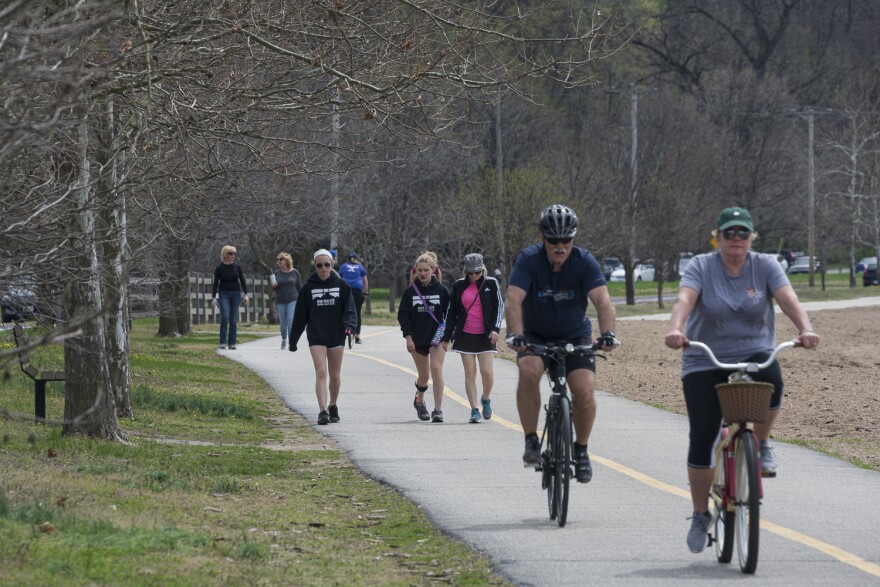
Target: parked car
[(683, 260), (609, 264), (19, 303), (782, 262), (641, 272), (802, 265), (864, 262), (869, 277), (791, 254)]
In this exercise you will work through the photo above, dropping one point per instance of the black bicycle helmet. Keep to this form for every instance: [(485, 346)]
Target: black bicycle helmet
[(558, 221)]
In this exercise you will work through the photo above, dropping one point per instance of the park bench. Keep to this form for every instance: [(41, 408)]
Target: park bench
[(40, 376)]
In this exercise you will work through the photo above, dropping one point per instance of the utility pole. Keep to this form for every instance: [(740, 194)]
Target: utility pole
[(499, 172), (634, 181), (809, 115)]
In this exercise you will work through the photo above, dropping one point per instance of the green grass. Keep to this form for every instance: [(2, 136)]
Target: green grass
[(202, 495)]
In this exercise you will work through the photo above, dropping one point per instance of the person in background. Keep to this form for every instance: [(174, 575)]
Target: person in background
[(287, 283), (549, 290), (355, 276), (421, 311), (437, 273), (333, 255), (328, 311), (725, 300), (473, 322), (229, 283)]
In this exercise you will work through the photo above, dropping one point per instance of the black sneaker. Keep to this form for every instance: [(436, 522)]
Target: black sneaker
[(357, 340), (334, 414), (582, 468), (532, 454), (437, 416), (323, 417)]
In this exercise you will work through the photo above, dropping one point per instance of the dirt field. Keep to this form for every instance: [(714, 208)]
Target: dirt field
[(832, 394)]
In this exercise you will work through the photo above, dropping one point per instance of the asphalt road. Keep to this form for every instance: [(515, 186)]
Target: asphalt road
[(628, 526)]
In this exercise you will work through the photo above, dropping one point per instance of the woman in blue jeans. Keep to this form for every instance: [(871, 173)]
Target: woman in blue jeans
[(287, 283), (229, 283)]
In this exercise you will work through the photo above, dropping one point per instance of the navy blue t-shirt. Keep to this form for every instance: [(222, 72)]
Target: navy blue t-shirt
[(556, 303)]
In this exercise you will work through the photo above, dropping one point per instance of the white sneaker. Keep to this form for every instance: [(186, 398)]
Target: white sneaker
[(283, 344), (222, 347)]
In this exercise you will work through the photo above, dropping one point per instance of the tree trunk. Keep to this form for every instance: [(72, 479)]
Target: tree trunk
[(113, 254), (174, 301), (89, 405)]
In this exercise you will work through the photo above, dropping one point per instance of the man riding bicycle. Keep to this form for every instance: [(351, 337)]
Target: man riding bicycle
[(550, 287)]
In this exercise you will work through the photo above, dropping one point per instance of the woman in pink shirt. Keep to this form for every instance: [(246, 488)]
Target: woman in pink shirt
[(473, 321)]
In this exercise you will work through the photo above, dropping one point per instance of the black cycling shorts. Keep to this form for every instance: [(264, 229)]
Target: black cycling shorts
[(572, 362)]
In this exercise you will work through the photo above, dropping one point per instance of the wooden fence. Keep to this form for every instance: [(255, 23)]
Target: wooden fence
[(203, 311), (144, 299)]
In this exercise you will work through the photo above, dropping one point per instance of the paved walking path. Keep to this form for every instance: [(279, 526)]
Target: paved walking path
[(626, 527)]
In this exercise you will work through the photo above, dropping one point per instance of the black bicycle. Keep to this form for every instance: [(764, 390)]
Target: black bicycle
[(557, 462)]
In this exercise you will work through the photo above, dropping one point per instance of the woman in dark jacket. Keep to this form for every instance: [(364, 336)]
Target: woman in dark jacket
[(420, 314), (229, 283), (473, 322), (326, 306)]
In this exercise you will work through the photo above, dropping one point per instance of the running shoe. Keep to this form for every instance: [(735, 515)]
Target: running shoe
[(768, 460), (334, 414), (283, 344), (475, 416), (232, 347), (532, 454), (698, 535), (421, 409), (436, 416), (487, 408), (357, 340), (222, 347), (323, 417)]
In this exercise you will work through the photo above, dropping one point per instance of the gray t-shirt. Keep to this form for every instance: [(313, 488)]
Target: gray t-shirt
[(733, 315), (289, 285)]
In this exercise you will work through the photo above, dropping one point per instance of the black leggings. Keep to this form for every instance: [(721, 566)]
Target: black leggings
[(704, 411), (358, 304)]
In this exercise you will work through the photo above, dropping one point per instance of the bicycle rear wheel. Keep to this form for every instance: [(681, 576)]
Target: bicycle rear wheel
[(748, 501), (563, 459)]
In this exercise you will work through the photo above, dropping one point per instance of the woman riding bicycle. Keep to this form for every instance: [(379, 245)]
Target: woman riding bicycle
[(726, 298), (549, 289)]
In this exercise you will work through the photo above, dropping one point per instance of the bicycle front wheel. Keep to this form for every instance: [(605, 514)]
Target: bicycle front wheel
[(748, 501), (548, 461), (563, 459)]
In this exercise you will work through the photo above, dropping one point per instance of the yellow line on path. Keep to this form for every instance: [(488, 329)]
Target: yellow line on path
[(793, 535)]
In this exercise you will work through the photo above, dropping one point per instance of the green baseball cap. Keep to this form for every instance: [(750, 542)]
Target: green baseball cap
[(735, 217)]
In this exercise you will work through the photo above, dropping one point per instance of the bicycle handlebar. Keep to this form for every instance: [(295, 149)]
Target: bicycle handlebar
[(566, 349), (749, 367)]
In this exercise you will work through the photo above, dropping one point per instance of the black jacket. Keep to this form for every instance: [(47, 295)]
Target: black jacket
[(327, 307), (490, 301), (414, 318)]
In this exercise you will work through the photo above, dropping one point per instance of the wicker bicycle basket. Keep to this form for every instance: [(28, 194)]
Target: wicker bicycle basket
[(745, 401)]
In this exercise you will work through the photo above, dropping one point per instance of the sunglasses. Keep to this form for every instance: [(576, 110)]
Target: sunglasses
[(474, 272), (323, 265), (280, 259), (742, 233), (232, 254), (556, 241)]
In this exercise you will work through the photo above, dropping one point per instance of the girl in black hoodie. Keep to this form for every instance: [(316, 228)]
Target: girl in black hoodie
[(421, 311), (327, 307)]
